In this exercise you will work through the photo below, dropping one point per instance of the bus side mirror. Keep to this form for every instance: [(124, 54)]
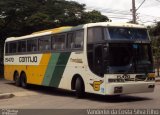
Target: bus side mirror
[(105, 58)]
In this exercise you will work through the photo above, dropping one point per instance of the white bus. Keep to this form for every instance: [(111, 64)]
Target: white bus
[(103, 58)]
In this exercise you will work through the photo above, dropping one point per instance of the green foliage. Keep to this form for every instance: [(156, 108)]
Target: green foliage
[(156, 46), (14, 13), (21, 17), (94, 16), (155, 37), (155, 31)]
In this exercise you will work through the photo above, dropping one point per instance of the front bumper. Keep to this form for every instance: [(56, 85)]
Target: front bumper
[(129, 87)]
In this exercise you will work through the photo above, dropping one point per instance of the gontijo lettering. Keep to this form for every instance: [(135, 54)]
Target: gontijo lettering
[(28, 59)]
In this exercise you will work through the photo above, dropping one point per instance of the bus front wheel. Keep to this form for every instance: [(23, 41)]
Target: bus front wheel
[(23, 80), (79, 87)]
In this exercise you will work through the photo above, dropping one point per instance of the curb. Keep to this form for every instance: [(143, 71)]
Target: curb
[(6, 95)]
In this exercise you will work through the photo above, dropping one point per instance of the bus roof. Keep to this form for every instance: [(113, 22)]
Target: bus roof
[(71, 28), (115, 24)]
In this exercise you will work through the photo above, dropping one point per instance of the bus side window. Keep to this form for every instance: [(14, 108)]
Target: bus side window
[(79, 35), (75, 40), (7, 48), (32, 45), (22, 46), (58, 42), (70, 41), (44, 43), (13, 47), (95, 35)]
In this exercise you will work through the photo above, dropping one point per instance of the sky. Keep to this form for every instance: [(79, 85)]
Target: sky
[(120, 10)]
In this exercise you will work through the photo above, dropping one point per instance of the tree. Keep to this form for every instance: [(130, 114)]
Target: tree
[(155, 31), (21, 17), (155, 37), (14, 13), (93, 17)]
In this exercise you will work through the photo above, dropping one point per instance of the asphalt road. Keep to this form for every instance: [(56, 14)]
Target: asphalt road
[(38, 97)]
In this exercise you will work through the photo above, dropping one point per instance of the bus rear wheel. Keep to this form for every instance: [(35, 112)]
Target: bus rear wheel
[(17, 79), (79, 87), (23, 80)]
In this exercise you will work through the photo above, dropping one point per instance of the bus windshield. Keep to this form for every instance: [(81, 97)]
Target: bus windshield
[(127, 33), (132, 58)]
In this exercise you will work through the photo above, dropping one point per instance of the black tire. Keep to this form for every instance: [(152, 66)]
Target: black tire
[(23, 80), (17, 79), (79, 87)]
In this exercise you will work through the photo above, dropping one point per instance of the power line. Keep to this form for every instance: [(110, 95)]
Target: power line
[(119, 17), (120, 13), (147, 21), (134, 10), (126, 14), (108, 10), (145, 15), (151, 4), (158, 0), (116, 15), (141, 4)]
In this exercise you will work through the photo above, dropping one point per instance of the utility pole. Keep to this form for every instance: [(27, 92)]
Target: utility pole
[(134, 11)]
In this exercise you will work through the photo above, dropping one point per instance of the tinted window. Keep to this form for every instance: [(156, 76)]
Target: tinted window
[(127, 33), (58, 42), (70, 41), (129, 58), (140, 33), (7, 48), (12, 47), (120, 33), (44, 43), (21, 46), (32, 45), (79, 35), (95, 34)]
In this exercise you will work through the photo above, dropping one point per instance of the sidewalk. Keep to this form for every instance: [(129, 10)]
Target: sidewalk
[(5, 95), (1, 78)]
